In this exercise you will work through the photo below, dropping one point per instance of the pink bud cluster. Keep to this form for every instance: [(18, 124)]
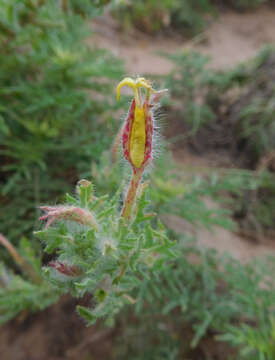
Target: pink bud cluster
[(71, 213)]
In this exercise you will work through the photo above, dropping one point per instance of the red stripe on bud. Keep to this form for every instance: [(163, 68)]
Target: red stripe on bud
[(65, 269)]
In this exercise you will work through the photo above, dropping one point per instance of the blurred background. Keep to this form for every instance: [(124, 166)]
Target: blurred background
[(212, 183)]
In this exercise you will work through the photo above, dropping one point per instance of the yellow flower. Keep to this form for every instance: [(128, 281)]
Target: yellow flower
[(137, 134)]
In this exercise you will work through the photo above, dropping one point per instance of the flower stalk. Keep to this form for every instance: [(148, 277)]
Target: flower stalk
[(131, 194)]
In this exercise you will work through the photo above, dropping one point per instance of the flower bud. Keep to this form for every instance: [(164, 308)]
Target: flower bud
[(137, 135), (65, 269), (71, 213)]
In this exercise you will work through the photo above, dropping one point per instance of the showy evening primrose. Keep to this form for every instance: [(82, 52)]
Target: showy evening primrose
[(137, 133)]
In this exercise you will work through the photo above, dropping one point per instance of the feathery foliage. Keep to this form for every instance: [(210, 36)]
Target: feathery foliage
[(53, 117), (231, 111), (202, 294)]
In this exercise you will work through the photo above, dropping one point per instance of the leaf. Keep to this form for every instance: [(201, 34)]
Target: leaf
[(3, 127), (86, 314)]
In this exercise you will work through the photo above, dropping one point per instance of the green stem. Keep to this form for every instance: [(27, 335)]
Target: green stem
[(25, 267), (131, 195)]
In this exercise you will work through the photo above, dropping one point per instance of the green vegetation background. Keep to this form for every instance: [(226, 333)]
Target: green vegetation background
[(57, 120)]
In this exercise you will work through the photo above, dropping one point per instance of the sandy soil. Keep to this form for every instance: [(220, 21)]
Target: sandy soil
[(224, 241), (56, 333), (230, 39)]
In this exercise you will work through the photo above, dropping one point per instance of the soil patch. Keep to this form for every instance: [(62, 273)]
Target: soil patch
[(56, 333), (233, 37)]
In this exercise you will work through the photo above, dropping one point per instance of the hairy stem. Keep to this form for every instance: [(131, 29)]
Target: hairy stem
[(131, 195)]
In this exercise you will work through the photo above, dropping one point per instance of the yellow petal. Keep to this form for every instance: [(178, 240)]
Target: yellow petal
[(125, 82), (138, 138), (135, 85)]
